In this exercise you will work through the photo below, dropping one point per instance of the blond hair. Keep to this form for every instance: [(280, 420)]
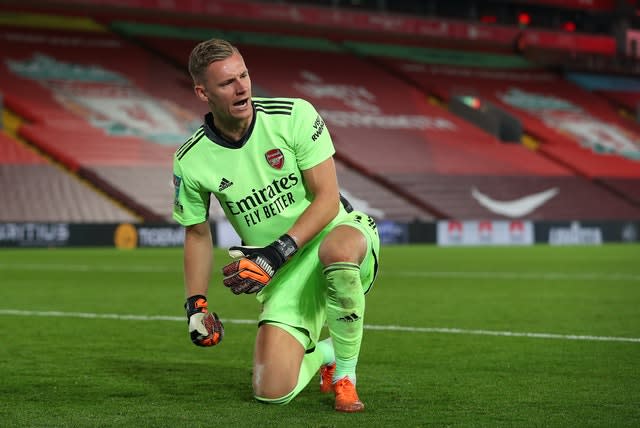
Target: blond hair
[(205, 53)]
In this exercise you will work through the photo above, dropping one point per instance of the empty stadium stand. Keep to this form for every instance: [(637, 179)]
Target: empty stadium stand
[(35, 190), (111, 103), (106, 110), (385, 128), (574, 127)]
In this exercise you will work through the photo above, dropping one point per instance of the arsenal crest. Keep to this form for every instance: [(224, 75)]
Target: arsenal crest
[(275, 158)]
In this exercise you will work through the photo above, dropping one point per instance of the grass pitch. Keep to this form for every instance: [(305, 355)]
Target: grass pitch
[(535, 336)]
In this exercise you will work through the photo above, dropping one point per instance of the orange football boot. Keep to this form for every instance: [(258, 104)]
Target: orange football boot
[(326, 377), (346, 396)]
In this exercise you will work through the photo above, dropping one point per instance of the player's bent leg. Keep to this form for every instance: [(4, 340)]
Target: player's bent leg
[(345, 319), (281, 368), (341, 253), (276, 364)]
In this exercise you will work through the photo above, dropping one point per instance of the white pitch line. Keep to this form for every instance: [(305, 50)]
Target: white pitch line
[(503, 333), (87, 268), (129, 317), (546, 276), (125, 317)]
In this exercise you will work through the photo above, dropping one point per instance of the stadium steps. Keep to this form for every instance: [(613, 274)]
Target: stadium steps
[(126, 168), (555, 142), (65, 133), (36, 190), (612, 173), (378, 201)]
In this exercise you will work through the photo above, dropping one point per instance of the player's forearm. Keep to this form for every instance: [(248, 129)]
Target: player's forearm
[(198, 259), (322, 210)]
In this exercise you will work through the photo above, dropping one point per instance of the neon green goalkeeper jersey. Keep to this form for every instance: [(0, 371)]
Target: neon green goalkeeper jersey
[(258, 180)]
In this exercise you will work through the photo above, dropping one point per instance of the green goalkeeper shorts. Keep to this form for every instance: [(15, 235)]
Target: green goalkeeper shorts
[(295, 299)]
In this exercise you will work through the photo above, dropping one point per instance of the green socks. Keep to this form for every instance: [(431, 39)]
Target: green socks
[(345, 314), (325, 347)]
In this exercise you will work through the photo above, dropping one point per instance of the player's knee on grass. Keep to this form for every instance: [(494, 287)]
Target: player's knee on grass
[(275, 375), (286, 399), (269, 388)]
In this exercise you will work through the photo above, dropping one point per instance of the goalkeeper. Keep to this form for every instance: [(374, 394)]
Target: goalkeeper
[(309, 257)]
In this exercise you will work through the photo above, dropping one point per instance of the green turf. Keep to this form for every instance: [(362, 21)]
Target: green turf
[(84, 372)]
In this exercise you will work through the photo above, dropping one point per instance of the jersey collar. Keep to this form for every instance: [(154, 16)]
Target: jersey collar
[(214, 135)]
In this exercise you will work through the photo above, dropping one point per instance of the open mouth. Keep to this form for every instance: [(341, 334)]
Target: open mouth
[(241, 103)]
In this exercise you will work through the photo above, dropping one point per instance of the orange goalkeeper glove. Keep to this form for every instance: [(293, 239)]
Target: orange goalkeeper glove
[(254, 267), (205, 328)]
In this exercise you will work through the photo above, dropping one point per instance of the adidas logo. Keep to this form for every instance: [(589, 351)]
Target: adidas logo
[(349, 318), (224, 183)]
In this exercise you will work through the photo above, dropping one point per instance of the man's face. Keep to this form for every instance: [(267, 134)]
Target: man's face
[(227, 89)]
